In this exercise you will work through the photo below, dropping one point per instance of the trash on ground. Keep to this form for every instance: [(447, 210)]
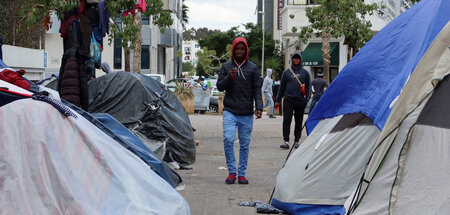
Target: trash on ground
[(262, 208)]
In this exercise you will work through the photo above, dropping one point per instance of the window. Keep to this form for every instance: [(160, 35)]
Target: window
[(300, 2), (188, 49), (297, 2), (197, 45), (145, 57), (145, 20), (117, 53)]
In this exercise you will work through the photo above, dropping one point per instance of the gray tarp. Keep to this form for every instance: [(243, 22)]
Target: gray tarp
[(147, 109)]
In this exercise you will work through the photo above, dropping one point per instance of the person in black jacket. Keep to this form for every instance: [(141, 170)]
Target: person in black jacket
[(240, 80), (295, 88)]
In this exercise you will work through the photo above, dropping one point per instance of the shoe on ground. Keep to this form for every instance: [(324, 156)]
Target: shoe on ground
[(285, 145), (242, 180), (231, 178), (296, 145), (272, 116)]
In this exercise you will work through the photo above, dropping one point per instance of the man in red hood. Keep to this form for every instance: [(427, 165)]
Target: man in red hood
[(240, 80)]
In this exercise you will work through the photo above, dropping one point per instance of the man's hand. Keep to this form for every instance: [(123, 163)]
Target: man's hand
[(233, 73), (258, 114), (277, 104)]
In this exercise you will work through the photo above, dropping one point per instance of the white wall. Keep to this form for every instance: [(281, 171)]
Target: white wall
[(31, 60)]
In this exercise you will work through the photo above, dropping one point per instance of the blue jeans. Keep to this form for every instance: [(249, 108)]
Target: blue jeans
[(268, 101), (244, 125)]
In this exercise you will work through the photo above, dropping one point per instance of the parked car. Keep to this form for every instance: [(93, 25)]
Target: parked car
[(159, 77), (171, 84), (213, 105)]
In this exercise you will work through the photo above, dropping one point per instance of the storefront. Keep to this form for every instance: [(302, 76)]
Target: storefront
[(312, 56)]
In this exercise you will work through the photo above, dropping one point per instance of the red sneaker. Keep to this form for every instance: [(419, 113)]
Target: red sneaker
[(242, 180), (231, 179)]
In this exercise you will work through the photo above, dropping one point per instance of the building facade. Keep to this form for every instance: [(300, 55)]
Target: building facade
[(159, 53), (293, 15), (190, 50), (272, 17)]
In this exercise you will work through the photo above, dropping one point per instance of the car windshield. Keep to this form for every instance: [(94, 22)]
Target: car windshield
[(156, 78)]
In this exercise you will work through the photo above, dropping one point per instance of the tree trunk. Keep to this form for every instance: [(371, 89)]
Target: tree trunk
[(349, 53), (326, 55), (137, 45), (286, 55), (127, 60)]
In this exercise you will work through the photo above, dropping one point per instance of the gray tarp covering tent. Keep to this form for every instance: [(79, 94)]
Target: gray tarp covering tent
[(150, 111), (409, 172)]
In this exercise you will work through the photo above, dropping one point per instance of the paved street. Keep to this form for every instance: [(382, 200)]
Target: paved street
[(205, 188)]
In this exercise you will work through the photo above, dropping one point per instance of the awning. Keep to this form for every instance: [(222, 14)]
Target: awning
[(312, 56)]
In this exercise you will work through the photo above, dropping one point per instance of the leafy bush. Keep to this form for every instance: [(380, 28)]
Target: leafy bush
[(183, 92)]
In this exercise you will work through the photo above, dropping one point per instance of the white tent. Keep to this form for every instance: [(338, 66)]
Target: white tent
[(346, 123), (409, 172), (51, 163)]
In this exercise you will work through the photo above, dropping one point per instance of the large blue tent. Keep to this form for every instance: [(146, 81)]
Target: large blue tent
[(375, 76), (347, 121)]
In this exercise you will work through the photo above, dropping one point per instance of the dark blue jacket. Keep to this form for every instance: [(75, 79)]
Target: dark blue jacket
[(290, 88), (244, 91)]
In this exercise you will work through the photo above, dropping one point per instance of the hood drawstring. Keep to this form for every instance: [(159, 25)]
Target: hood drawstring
[(240, 70)]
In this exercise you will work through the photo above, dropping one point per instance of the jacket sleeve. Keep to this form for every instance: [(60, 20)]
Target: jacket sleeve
[(264, 85), (257, 90), (282, 87), (224, 80)]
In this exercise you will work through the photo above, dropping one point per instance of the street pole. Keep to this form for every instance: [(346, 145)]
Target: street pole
[(262, 57)]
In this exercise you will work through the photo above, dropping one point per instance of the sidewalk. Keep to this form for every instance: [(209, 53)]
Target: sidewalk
[(205, 188)]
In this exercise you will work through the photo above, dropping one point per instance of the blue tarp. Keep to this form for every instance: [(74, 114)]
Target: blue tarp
[(375, 76), (2, 64), (303, 209)]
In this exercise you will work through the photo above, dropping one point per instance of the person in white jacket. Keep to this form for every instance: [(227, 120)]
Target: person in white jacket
[(267, 91)]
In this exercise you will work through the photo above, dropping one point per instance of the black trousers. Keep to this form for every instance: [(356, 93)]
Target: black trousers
[(297, 108)]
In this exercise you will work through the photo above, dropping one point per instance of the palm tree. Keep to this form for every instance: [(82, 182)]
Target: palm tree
[(185, 10)]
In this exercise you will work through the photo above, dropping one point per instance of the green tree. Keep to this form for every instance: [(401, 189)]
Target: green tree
[(127, 28), (187, 66), (274, 63), (221, 43), (272, 48), (185, 10), (204, 65), (218, 40), (335, 18)]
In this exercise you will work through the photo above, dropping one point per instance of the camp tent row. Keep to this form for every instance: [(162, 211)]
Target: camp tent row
[(325, 170), (55, 159)]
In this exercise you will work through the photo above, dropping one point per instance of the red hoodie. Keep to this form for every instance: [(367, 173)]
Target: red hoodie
[(235, 42)]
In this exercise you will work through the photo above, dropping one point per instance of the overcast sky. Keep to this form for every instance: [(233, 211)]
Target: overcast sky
[(220, 14)]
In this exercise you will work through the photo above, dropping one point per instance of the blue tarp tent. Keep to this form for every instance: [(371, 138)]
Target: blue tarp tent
[(346, 123), (371, 81)]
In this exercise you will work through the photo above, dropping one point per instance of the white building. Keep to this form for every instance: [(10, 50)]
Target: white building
[(159, 50), (33, 61), (190, 50), (312, 53)]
